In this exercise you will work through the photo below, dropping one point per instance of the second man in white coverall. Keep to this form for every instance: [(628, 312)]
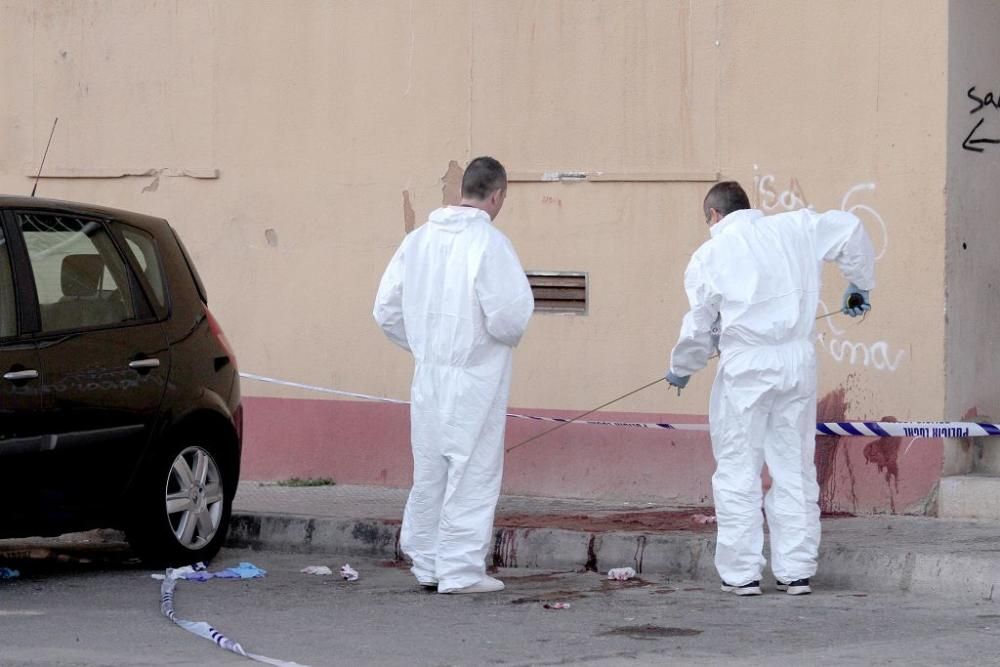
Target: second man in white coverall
[(455, 295), (756, 284)]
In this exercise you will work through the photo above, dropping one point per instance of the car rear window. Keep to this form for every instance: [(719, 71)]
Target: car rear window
[(143, 247), (80, 278)]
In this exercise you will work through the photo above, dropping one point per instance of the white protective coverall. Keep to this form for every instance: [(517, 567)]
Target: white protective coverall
[(455, 295), (762, 274)]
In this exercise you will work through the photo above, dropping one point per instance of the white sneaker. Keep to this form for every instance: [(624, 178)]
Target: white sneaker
[(797, 587), (485, 585), (753, 588)]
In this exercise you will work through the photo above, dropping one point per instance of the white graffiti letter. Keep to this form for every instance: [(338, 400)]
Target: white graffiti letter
[(858, 209)]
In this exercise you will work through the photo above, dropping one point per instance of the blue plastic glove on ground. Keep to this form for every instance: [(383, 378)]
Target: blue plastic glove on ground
[(242, 571), (855, 301)]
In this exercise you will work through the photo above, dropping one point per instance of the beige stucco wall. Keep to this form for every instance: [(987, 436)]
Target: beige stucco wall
[(973, 239), (298, 141), (843, 104)]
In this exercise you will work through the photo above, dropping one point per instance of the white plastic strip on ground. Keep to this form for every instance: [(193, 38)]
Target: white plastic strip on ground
[(842, 429), (205, 630)]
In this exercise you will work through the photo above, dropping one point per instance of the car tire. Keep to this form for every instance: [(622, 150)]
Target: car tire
[(183, 504)]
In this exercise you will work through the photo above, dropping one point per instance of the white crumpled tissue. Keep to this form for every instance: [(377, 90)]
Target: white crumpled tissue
[(316, 569), (349, 573), (621, 573)]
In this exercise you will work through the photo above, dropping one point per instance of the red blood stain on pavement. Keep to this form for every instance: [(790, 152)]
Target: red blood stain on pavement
[(648, 521), (654, 521)]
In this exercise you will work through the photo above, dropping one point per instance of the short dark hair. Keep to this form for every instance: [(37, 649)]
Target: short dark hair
[(482, 177), (726, 197)]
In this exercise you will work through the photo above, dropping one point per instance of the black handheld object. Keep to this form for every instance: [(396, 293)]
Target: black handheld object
[(855, 300)]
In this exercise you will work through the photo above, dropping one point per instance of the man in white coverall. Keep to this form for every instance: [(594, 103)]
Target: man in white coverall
[(455, 295), (753, 290)]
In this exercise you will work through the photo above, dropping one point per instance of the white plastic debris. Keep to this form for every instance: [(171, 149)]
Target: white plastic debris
[(317, 569), (186, 572), (557, 605), (349, 573), (702, 519), (621, 573), (177, 572)]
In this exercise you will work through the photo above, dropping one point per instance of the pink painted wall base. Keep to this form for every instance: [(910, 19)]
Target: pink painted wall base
[(357, 442)]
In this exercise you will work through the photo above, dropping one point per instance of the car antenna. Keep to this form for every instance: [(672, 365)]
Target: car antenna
[(39, 174)]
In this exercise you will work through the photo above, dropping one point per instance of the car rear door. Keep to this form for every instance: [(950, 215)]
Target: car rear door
[(103, 355), (22, 427)]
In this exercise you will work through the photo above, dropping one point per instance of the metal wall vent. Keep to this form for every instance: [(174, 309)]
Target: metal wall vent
[(559, 292)]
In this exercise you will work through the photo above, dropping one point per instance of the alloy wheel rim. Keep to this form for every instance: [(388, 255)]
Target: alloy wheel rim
[(194, 498)]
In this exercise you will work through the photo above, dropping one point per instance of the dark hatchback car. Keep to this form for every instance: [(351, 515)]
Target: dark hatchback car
[(119, 394)]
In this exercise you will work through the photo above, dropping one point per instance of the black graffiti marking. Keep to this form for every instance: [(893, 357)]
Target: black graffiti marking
[(989, 100), (970, 144)]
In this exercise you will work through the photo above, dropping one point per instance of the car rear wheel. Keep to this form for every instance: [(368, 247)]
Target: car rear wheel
[(184, 506)]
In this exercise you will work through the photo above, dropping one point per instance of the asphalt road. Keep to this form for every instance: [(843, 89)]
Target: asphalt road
[(107, 613)]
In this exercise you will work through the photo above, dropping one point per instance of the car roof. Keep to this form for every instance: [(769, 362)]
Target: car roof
[(141, 220)]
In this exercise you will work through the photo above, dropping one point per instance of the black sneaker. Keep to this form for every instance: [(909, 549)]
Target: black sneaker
[(797, 587), (753, 588)]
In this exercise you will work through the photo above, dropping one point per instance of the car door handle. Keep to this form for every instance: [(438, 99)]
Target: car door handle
[(144, 363), (20, 376)]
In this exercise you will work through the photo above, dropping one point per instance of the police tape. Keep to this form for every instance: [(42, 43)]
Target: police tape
[(206, 631), (862, 429)]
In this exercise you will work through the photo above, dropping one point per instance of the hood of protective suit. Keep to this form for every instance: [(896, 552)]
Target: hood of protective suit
[(734, 219), (456, 218)]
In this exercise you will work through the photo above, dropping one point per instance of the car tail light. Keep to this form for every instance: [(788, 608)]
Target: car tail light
[(213, 326)]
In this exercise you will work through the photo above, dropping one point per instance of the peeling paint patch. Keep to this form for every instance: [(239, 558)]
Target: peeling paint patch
[(451, 185), (409, 217), (153, 186)]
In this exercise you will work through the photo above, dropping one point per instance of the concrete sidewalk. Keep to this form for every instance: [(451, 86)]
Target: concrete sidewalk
[(953, 558)]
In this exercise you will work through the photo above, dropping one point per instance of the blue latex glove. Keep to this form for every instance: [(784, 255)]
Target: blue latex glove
[(677, 381), (855, 301)]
